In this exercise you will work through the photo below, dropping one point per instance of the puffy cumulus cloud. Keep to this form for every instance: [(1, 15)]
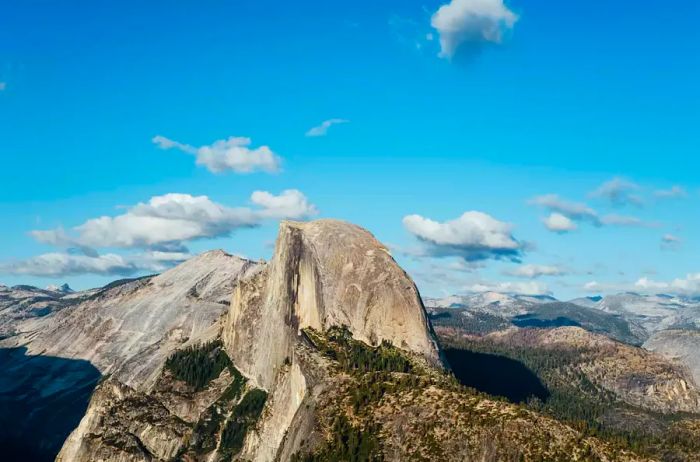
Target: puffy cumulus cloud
[(322, 129), (165, 222), (535, 271), (675, 192), (291, 204), (618, 191), (519, 287), (472, 23), (559, 223), (473, 236), (58, 264), (232, 154), (687, 286)]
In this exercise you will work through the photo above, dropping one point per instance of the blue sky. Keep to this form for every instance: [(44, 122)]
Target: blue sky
[(442, 115)]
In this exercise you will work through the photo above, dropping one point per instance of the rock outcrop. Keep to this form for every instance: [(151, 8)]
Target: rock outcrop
[(678, 345), (324, 273)]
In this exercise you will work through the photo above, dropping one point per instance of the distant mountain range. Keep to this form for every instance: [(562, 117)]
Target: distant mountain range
[(666, 324), (651, 313)]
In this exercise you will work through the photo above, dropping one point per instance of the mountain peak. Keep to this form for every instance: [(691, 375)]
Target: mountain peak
[(63, 288)]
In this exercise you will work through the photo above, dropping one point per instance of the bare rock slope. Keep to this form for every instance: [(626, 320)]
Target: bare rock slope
[(53, 361), (678, 345), (129, 328)]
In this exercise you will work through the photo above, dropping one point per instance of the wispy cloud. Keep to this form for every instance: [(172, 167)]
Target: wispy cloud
[(471, 24), (61, 264), (322, 129), (535, 271), (565, 214), (675, 192), (618, 191), (3, 85), (576, 211), (232, 154), (626, 220), (670, 242), (517, 287)]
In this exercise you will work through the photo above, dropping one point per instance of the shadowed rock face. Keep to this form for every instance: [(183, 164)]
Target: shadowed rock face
[(42, 398)]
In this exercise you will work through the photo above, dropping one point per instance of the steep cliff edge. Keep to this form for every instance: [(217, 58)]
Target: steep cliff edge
[(324, 273), (325, 353)]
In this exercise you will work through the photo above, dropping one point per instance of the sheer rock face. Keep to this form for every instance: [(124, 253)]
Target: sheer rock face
[(324, 273)]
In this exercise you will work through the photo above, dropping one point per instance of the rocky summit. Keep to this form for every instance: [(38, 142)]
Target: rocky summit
[(325, 353)]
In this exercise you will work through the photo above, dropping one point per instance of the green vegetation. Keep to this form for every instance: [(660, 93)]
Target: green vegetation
[(575, 400), (198, 365), (357, 357), (375, 372), (470, 322), (244, 416), (348, 444)]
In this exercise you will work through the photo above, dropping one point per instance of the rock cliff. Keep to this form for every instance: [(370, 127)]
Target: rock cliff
[(325, 353)]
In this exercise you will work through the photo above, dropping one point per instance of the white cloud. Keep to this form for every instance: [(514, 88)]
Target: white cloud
[(535, 271), (559, 223), (670, 242), (65, 264), (521, 288), (233, 153), (618, 191), (169, 220), (624, 220), (471, 22), (687, 286), (291, 204), (670, 238), (574, 210), (473, 236), (675, 192), (564, 214), (3, 85), (322, 130)]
